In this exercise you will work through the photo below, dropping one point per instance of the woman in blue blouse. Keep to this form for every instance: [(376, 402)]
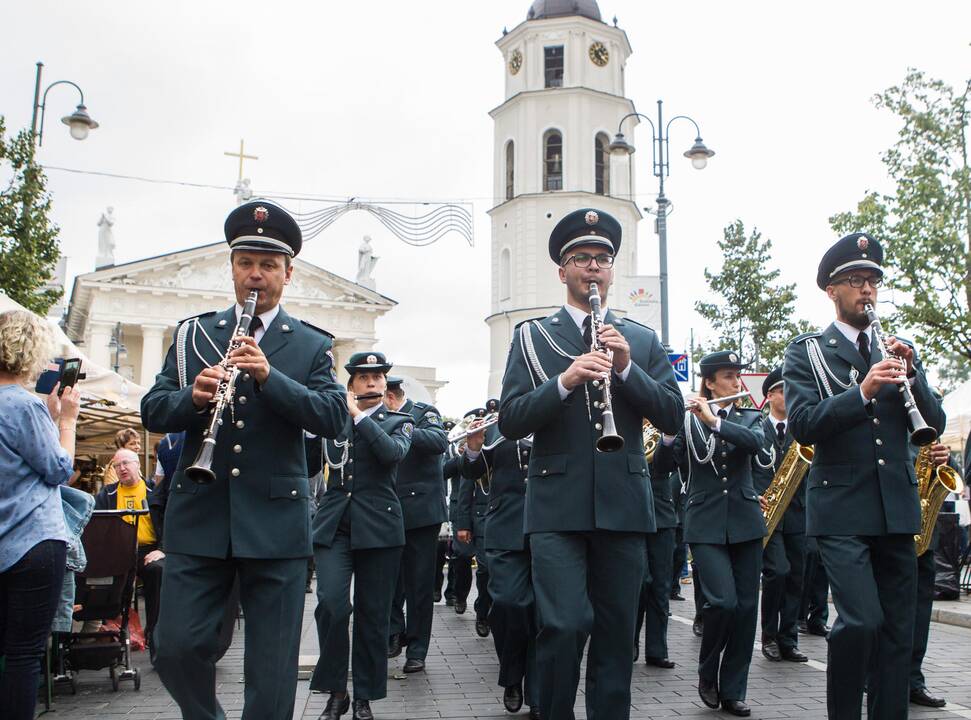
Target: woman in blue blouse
[(36, 456)]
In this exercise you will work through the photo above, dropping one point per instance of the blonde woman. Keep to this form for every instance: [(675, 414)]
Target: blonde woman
[(36, 456)]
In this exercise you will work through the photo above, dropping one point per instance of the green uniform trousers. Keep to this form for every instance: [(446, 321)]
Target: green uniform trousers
[(783, 560), (191, 608), (652, 612), (512, 619), (926, 577), (415, 589)]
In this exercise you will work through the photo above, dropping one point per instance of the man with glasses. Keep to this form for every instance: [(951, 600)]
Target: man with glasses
[(587, 512), (131, 493), (861, 492)]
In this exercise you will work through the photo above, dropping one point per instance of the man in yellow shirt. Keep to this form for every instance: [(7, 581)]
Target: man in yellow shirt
[(131, 493)]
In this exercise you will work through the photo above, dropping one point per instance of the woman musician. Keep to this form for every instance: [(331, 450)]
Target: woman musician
[(723, 524)]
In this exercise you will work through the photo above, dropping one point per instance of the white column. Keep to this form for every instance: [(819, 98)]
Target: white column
[(152, 353), (97, 350)]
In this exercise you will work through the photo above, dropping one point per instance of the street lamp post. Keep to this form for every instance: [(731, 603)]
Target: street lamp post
[(121, 352), (79, 121), (698, 154)]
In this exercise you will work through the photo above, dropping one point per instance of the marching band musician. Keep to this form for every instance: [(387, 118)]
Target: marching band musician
[(587, 511), (861, 497), (783, 557), (512, 617), (359, 533), (459, 580), (450, 469), (422, 499), (655, 600), (724, 526), (253, 520)]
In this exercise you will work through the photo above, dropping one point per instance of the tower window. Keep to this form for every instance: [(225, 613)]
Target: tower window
[(552, 160), (601, 163), (553, 57), (505, 271), (510, 169)]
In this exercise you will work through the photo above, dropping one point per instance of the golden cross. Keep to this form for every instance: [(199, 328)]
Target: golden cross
[(241, 155)]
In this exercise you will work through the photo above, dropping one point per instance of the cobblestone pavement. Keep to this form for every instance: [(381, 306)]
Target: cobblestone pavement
[(459, 682)]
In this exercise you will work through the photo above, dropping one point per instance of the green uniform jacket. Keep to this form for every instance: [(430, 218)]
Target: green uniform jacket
[(722, 505), (420, 486), (662, 468), (862, 481), (258, 505), (794, 520), (365, 486), (507, 462), (572, 486)]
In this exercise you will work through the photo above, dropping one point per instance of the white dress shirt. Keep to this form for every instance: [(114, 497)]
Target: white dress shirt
[(266, 318), (579, 316), (367, 413)]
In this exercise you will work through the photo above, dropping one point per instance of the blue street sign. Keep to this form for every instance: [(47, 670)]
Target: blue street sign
[(679, 361)]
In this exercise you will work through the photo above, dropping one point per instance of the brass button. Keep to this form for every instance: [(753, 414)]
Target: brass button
[(178, 485), (294, 493), (879, 441), (876, 421), (543, 471), (234, 472), (237, 448), (724, 454), (412, 492), (598, 426), (725, 491), (389, 508), (242, 399), (724, 467), (240, 424), (350, 461), (724, 479), (825, 482), (350, 477), (881, 461), (348, 494), (245, 377)]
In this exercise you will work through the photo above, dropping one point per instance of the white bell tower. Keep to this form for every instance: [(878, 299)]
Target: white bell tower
[(564, 71)]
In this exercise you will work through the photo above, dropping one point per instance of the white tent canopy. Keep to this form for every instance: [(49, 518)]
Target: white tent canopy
[(957, 405)]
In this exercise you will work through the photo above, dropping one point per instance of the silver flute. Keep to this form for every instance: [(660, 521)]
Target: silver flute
[(609, 440)]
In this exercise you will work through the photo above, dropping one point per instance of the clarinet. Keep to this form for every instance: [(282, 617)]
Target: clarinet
[(201, 470), (921, 433), (609, 440)]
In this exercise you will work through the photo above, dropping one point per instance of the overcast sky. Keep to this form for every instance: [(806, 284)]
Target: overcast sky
[(390, 100)]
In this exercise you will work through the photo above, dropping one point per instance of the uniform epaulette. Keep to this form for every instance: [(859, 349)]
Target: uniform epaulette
[(806, 336), (399, 414), (635, 322), (529, 320), (200, 315), (320, 330)]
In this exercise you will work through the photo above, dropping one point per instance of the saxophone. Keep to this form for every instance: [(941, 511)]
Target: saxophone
[(934, 482), (652, 438), (784, 484)]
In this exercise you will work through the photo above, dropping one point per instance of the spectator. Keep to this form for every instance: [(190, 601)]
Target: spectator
[(131, 493), (36, 456), (129, 439)]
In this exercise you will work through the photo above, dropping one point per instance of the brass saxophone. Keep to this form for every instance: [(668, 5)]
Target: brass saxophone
[(784, 484), (652, 438), (934, 482)]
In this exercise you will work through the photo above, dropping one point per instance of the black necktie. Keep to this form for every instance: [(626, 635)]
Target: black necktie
[(255, 325), (780, 431), (863, 343), (722, 413), (587, 335)]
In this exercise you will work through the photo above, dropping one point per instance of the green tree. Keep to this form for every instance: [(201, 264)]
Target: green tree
[(755, 317), (28, 239), (924, 224)]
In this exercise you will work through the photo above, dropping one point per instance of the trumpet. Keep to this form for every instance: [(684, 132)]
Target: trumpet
[(465, 428), (201, 469), (727, 398), (609, 440), (921, 433)]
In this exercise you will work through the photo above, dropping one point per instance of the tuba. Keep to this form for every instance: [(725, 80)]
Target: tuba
[(934, 482), (784, 484), (201, 469)]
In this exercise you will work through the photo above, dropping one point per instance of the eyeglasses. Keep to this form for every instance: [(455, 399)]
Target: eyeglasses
[(856, 281), (120, 465), (583, 260)]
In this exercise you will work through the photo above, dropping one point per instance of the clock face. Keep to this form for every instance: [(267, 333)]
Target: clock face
[(515, 62), (599, 54)]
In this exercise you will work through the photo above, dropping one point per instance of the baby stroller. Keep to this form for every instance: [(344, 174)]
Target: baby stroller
[(104, 591)]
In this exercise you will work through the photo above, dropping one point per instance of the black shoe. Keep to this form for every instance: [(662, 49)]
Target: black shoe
[(698, 627), (512, 699), (677, 596), (449, 601), (708, 692), (437, 596), (817, 629), (482, 627), (736, 707), (659, 662), (394, 645), (460, 606), (771, 650), (920, 696), (362, 710), (534, 713), (802, 627), (792, 655), (413, 665), (335, 708)]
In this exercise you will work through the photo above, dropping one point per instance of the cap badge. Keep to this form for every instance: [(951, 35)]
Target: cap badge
[(592, 218), (261, 214), (862, 243), (733, 357), (372, 359)]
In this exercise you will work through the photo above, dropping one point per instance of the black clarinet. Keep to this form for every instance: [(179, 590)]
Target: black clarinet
[(609, 440)]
